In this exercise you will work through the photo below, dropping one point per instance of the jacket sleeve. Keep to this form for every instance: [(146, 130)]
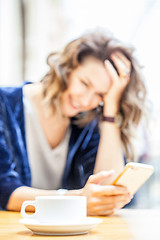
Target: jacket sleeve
[(9, 177)]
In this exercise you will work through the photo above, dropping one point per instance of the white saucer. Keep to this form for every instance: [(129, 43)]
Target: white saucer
[(61, 229)]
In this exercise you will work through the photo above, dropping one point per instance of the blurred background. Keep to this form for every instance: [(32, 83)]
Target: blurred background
[(30, 30)]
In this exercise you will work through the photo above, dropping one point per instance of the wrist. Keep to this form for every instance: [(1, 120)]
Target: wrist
[(61, 192), (116, 119), (77, 192), (110, 110)]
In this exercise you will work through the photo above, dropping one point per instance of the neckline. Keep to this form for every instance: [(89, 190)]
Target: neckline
[(40, 129)]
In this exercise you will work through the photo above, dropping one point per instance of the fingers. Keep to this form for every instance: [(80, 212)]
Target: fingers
[(114, 190), (112, 200), (103, 199), (119, 73), (107, 190), (93, 185), (99, 177), (106, 206), (99, 212), (122, 64), (111, 70)]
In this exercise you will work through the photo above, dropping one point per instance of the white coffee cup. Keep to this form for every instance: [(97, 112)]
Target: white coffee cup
[(57, 209)]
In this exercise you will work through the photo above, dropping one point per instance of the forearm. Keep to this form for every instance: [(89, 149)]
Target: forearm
[(24, 193), (110, 153)]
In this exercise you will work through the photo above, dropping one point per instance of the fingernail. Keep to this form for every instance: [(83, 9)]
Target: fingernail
[(130, 196), (106, 61)]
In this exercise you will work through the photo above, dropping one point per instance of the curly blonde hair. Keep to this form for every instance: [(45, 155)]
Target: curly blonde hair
[(101, 45)]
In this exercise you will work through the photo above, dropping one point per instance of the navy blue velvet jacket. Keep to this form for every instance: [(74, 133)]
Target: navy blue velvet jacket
[(14, 165)]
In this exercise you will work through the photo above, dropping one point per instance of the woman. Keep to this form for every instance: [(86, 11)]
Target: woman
[(65, 134)]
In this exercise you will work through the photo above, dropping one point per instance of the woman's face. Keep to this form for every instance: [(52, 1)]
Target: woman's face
[(88, 83)]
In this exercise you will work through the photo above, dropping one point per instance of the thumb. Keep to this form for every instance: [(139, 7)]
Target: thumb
[(98, 177)]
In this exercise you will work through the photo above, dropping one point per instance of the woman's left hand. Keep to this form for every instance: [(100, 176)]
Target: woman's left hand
[(119, 81), (104, 199)]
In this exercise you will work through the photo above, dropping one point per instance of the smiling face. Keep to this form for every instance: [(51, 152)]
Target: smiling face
[(88, 83)]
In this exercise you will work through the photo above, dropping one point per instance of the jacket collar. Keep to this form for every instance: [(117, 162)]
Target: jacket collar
[(79, 138)]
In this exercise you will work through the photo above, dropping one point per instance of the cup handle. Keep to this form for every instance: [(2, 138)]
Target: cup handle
[(23, 208)]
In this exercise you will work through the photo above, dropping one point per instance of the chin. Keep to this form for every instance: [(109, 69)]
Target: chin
[(68, 113)]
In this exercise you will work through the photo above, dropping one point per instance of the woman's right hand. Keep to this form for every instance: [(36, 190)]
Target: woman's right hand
[(104, 199), (119, 82)]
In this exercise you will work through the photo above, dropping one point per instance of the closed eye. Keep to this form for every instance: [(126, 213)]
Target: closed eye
[(84, 83)]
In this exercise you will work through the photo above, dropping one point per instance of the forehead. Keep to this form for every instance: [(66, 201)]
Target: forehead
[(94, 71)]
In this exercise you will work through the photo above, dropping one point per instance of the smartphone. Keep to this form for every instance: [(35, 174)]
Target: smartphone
[(134, 176)]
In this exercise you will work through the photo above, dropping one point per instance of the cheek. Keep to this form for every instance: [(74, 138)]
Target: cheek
[(95, 103), (75, 90)]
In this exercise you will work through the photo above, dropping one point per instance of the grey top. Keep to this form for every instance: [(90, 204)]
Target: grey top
[(47, 165)]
